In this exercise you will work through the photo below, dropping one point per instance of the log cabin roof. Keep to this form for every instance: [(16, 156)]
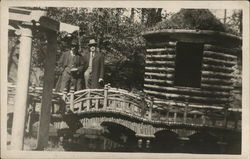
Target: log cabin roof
[(194, 36)]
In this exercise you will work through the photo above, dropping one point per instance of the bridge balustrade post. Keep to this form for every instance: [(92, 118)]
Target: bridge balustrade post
[(105, 100), (64, 94), (139, 142), (71, 100), (185, 112), (175, 116), (203, 119), (236, 121), (147, 143), (225, 118), (88, 100), (150, 109), (96, 103)]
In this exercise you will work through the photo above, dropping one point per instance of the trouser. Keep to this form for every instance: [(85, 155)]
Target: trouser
[(87, 78), (69, 82)]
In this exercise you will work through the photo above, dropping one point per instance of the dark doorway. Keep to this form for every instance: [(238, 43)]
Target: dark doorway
[(188, 64)]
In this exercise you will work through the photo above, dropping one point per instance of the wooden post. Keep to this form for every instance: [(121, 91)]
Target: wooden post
[(203, 119), (185, 112), (150, 110), (105, 100), (236, 121), (71, 100), (139, 143), (96, 104), (63, 104), (50, 59), (88, 100), (64, 94), (175, 115), (22, 89), (225, 117)]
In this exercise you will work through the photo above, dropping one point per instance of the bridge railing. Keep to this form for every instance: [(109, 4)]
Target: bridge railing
[(118, 101), (108, 99)]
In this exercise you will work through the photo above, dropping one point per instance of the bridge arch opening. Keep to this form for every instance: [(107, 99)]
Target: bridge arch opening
[(121, 135), (203, 142), (165, 141)]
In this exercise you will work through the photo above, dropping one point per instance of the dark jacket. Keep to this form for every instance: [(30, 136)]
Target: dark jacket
[(65, 64), (97, 68)]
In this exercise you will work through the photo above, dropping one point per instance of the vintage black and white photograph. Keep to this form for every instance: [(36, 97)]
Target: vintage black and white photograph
[(124, 79)]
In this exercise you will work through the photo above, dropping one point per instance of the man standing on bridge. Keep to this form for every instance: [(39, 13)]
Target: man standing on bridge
[(70, 68), (94, 66)]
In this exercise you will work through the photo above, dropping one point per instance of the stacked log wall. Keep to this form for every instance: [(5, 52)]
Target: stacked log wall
[(216, 75)]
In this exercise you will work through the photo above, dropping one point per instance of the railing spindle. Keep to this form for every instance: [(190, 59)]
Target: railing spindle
[(88, 100), (175, 115), (96, 103), (72, 99), (150, 110), (64, 94), (105, 100)]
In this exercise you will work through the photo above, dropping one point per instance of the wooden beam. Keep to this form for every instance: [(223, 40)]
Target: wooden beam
[(167, 75), (158, 44), (50, 60), (167, 69), (217, 81), (19, 17), (219, 55), (161, 51), (188, 91), (213, 61), (19, 14), (166, 57), (216, 87), (19, 11), (167, 103), (152, 80), (184, 97), (210, 74), (232, 51), (190, 105), (217, 69), (168, 63)]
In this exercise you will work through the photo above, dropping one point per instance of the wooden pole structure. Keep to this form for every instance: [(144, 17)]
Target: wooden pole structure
[(88, 100), (105, 100), (22, 88), (71, 100), (50, 59)]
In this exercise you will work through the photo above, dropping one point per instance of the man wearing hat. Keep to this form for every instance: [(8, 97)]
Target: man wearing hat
[(71, 67), (94, 66)]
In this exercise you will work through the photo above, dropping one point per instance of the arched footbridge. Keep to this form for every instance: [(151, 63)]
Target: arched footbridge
[(99, 108)]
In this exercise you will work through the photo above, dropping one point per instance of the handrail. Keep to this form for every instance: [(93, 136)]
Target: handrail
[(114, 100), (108, 98)]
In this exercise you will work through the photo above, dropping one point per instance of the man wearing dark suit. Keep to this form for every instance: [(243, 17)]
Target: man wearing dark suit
[(71, 68), (94, 66)]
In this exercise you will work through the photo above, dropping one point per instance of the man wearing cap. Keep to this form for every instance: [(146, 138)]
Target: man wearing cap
[(94, 66), (71, 67)]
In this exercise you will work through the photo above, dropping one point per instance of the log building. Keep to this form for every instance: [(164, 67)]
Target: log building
[(191, 71)]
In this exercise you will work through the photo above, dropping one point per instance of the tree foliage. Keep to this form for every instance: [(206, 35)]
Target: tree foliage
[(119, 39)]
